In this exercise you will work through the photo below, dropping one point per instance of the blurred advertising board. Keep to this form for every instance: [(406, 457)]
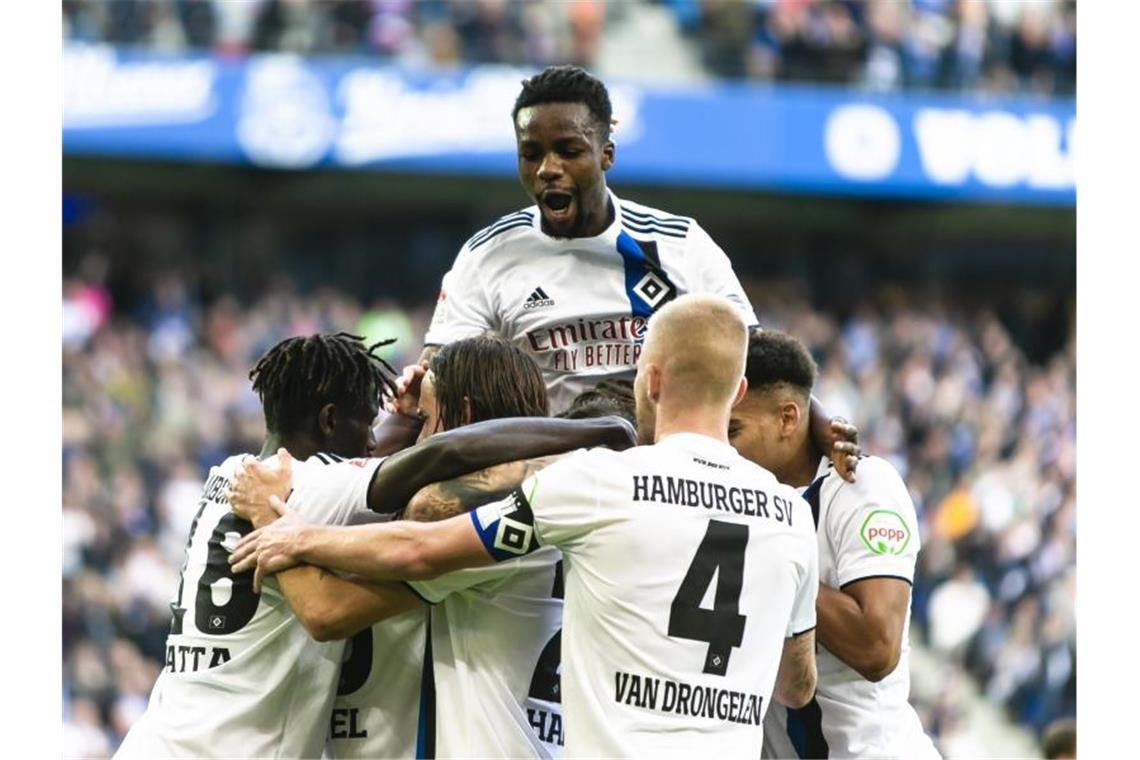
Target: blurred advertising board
[(287, 112)]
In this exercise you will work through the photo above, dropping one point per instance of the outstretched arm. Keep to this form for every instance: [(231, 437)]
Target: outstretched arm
[(835, 438), (400, 550), (475, 447)]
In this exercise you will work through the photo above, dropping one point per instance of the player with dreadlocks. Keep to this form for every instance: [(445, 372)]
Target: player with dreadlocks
[(574, 278), (254, 673)]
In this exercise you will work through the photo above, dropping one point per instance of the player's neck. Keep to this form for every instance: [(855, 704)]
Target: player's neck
[(300, 446), (800, 470), (706, 422)]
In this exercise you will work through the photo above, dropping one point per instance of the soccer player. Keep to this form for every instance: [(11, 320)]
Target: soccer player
[(868, 544), (655, 658), (377, 709), (235, 655), (574, 278), (495, 630)]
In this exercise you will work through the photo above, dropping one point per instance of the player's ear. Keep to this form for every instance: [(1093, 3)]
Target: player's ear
[(740, 390), (790, 415), (326, 420), (653, 382), (607, 155)]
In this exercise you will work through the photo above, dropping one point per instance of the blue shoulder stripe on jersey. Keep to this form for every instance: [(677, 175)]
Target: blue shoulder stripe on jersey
[(665, 221), (490, 228), (496, 233), (510, 221), (322, 457), (651, 227), (503, 220), (639, 286)]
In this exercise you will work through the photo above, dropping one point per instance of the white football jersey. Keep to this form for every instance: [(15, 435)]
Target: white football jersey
[(866, 529), (686, 568), (243, 678), (579, 306), (496, 642), (377, 712)]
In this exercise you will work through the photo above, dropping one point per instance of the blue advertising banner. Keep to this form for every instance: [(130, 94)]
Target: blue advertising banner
[(287, 112)]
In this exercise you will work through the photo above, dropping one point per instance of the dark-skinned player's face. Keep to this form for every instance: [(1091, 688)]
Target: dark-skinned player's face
[(563, 159), (354, 435)]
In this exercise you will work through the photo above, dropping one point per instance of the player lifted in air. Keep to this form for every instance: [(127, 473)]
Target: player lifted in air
[(237, 656), (868, 544), (690, 573), (574, 278)]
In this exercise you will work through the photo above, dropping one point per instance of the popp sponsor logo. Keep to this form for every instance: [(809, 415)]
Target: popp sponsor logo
[(885, 532)]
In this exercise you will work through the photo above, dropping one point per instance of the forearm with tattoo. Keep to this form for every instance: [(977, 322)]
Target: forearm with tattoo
[(440, 501)]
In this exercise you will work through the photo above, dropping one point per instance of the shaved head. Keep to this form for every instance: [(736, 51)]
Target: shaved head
[(692, 361)]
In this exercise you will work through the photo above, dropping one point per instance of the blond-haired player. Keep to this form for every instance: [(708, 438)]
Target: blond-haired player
[(690, 572)]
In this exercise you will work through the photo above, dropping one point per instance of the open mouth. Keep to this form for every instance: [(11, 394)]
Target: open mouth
[(558, 205)]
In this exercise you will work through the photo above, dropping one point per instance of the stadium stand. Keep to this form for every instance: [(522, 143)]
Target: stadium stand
[(990, 46)]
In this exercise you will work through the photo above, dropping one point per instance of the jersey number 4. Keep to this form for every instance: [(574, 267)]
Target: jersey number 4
[(722, 549)]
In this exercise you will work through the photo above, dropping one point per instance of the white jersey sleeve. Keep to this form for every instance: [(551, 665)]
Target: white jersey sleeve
[(803, 609), (463, 309), (872, 526), (330, 491), (715, 272)]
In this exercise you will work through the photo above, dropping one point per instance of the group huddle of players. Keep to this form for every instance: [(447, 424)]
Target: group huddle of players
[(681, 559)]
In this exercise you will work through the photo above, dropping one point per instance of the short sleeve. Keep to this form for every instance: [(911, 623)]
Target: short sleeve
[(872, 526), (463, 308), (803, 608), (715, 272), (551, 508), (331, 494)]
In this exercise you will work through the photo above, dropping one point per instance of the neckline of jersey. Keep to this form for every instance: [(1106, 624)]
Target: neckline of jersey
[(608, 235), (684, 439)]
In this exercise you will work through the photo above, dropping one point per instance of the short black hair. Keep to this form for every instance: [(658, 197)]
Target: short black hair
[(567, 84), (776, 358), (606, 398), (298, 376)]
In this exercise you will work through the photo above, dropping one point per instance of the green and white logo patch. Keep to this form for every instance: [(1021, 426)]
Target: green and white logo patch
[(885, 532)]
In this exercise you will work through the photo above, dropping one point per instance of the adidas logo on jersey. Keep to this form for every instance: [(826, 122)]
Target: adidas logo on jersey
[(538, 300)]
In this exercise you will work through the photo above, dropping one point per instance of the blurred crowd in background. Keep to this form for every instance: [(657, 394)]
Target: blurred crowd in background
[(984, 45), (155, 361), (156, 392)]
